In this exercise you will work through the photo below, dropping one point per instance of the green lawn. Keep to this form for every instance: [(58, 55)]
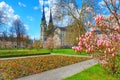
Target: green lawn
[(67, 51), (93, 73), (28, 52), (21, 52)]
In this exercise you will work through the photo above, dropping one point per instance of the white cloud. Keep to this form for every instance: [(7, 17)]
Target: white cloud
[(71, 5), (26, 26), (8, 13), (74, 10), (67, 20), (47, 13), (21, 4), (47, 8), (36, 7), (102, 3), (45, 2), (30, 18), (16, 17), (50, 4), (36, 37), (41, 3)]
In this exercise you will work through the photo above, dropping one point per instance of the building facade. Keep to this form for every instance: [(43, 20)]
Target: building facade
[(58, 33)]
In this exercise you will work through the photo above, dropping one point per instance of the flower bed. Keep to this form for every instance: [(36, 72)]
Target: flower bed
[(15, 68)]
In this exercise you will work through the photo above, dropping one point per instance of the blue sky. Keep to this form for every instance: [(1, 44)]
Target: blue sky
[(30, 13), (27, 12)]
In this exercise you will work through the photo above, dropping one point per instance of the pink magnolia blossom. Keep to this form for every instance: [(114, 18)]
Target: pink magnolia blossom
[(113, 55), (104, 46), (116, 37), (104, 62), (88, 9), (98, 17)]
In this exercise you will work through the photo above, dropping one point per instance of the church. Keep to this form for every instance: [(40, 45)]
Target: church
[(58, 33)]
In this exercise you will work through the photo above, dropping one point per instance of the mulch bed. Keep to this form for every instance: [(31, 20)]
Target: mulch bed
[(16, 68)]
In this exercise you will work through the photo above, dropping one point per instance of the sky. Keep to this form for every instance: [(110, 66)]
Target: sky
[(30, 12)]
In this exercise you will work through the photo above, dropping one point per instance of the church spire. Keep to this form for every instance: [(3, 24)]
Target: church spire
[(50, 20), (50, 25), (43, 26), (43, 15)]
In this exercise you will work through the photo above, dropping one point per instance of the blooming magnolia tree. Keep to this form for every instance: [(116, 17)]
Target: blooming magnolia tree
[(49, 43), (104, 46)]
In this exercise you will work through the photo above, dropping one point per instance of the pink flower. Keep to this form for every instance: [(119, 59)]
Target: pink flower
[(88, 9), (116, 37), (93, 29), (104, 62), (113, 12), (98, 17), (86, 51), (74, 48), (85, 24), (87, 33), (80, 44), (99, 43), (113, 55), (114, 1)]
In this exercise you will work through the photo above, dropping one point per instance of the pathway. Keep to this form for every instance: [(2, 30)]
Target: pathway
[(60, 73)]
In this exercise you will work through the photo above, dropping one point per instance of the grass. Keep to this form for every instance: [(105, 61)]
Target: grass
[(22, 52), (15, 68), (67, 51), (28, 52), (93, 73)]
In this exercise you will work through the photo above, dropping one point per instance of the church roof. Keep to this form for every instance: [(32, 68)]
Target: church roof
[(62, 28)]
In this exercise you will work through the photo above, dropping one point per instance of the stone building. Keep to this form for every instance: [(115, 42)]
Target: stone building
[(58, 33)]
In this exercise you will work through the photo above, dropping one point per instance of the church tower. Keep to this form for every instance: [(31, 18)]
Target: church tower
[(43, 27), (50, 30)]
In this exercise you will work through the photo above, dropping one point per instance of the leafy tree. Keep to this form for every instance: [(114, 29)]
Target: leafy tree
[(12, 34), (104, 46), (36, 45), (77, 16), (2, 23)]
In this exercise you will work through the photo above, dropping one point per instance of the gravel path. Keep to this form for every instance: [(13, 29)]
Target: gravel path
[(60, 73)]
